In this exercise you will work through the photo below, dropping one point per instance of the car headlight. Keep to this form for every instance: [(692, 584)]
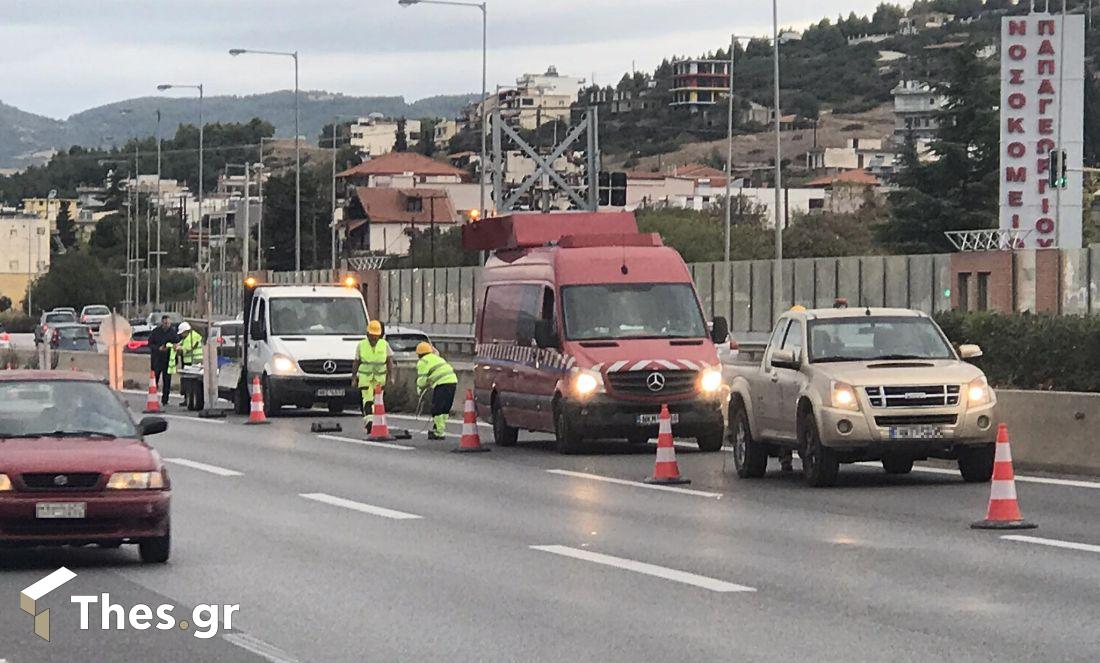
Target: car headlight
[(587, 383), (282, 364), (5, 483), (710, 381), (978, 392), (844, 397), (136, 481)]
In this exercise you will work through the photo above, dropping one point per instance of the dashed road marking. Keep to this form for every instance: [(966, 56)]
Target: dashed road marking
[(1053, 543), (204, 467), (264, 650), (666, 573), (636, 484), (359, 506), (1022, 478), (368, 443)]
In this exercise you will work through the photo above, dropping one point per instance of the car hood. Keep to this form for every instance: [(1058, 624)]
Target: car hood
[(876, 373), (51, 454), (643, 354)]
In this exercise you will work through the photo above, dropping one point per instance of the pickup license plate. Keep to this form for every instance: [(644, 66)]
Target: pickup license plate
[(59, 509), (916, 432), (652, 419), (330, 393)]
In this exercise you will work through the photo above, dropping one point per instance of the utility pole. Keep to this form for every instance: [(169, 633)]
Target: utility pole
[(247, 215), (777, 268), (160, 207)]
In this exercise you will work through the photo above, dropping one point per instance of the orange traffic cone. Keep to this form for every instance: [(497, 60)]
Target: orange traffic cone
[(256, 412), (1004, 509), (666, 471), (470, 440), (380, 430), (152, 401)]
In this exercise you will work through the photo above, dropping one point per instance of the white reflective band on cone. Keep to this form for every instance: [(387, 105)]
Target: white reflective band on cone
[(468, 429), (1003, 490), (1003, 453), (666, 455), (665, 427)]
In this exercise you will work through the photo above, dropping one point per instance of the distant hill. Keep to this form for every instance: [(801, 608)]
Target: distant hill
[(24, 134)]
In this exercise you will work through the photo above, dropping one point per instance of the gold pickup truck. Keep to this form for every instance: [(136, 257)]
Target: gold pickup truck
[(846, 385)]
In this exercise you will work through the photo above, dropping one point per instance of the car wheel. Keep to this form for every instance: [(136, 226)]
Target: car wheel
[(897, 465), (750, 458), (976, 463), (567, 439), (271, 406), (503, 434), (820, 466), (156, 551), (335, 408)]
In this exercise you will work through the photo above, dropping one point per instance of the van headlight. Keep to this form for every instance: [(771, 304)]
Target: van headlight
[(283, 364), (844, 397), (586, 383), (710, 381), (978, 392)]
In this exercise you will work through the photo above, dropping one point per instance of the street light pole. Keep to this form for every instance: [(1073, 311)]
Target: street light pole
[(160, 207), (297, 159), (777, 268)]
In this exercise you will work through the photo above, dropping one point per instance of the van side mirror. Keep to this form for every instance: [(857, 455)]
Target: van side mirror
[(785, 359), (256, 330), (546, 336), (970, 351), (720, 330)]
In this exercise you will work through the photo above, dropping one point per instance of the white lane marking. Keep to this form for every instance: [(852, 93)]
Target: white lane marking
[(212, 469), (359, 506), (183, 417), (1054, 543), (368, 443), (48, 584), (636, 484), (1070, 483), (264, 650), (674, 575)]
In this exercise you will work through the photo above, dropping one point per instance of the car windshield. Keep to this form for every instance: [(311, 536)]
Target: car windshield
[(97, 310), (876, 338), (62, 408), (405, 342), (317, 316), (631, 310), (60, 317)]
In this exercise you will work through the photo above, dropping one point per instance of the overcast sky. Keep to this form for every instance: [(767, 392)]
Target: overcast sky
[(63, 56)]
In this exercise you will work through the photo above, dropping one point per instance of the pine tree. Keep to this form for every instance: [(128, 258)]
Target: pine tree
[(66, 229), (958, 188), (401, 143)]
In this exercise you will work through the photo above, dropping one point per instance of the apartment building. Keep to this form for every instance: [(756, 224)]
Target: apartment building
[(698, 84)]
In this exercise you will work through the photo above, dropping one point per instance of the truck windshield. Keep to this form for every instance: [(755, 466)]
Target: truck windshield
[(631, 310), (317, 316), (873, 339)]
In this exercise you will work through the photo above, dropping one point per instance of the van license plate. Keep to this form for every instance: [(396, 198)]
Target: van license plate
[(330, 393), (916, 433), (652, 419), (59, 510)]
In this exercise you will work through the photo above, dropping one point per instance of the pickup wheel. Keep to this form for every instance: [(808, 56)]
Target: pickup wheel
[(503, 434), (976, 463), (820, 466), (897, 465), (750, 458), (568, 441)]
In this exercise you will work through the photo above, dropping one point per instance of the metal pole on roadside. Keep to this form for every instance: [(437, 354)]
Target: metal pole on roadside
[(160, 207), (729, 152), (777, 268), (247, 216)]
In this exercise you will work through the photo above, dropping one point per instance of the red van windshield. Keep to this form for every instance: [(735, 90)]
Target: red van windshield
[(631, 310)]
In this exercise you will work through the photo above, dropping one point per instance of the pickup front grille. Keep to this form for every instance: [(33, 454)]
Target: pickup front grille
[(923, 396), (638, 382), (61, 480), (918, 419), (317, 366)]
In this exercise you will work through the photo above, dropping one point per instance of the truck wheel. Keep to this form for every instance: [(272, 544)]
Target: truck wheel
[(820, 466), (712, 441), (503, 434), (271, 406), (566, 437), (897, 465), (976, 463), (750, 458)]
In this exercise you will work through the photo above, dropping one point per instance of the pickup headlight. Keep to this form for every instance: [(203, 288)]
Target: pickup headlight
[(283, 364), (844, 397), (5, 483), (136, 481), (586, 383), (710, 381), (978, 392)]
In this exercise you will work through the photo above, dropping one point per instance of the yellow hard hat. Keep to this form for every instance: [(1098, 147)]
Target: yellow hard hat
[(423, 348), (374, 327)]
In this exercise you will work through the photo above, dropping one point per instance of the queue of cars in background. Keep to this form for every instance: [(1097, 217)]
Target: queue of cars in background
[(50, 318), (94, 315), (72, 336)]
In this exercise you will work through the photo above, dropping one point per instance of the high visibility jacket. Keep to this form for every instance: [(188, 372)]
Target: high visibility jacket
[(372, 362), (172, 359), (191, 348), (432, 371)]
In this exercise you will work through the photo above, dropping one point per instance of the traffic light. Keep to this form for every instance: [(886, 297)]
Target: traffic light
[(618, 189), (1058, 169), (603, 186)]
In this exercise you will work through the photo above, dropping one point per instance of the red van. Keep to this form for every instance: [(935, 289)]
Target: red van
[(585, 327)]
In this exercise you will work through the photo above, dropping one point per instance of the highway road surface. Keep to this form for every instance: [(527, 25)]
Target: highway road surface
[(339, 550)]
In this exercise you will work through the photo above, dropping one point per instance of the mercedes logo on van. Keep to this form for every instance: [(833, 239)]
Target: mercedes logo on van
[(329, 366), (655, 381)]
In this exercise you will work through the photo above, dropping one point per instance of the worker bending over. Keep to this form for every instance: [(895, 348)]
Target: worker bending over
[(433, 372), (373, 362)]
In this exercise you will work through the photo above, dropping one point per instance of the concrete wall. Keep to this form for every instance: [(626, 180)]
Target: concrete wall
[(1052, 431)]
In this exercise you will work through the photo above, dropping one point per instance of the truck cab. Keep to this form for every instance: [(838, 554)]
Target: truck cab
[(585, 328)]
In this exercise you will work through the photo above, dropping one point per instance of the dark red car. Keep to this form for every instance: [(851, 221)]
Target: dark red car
[(75, 469)]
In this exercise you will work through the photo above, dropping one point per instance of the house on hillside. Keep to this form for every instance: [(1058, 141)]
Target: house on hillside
[(847, 191), (858, 154), (378, 220), (375, 135), (914, 23), (699, 84), (916, 107), (402, 169)]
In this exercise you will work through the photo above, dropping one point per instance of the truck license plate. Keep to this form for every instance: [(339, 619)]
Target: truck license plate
[(330, 393), (916, 433), (652, 419), (59, 509)]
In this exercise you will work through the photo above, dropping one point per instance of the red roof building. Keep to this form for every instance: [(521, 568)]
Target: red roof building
[(402, 169), (379, 219)]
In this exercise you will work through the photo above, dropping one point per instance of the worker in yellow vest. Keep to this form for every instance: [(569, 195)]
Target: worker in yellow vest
[(373, 362), (433, 372), (187, 352)]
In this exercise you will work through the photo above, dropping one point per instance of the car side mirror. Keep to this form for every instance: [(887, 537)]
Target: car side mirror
[(720, 330), (785, 359), (256, 330), (545, 334), (970, 351), (152, 425)]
